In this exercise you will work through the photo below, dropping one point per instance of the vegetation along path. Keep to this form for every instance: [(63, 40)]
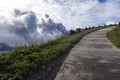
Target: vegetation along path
[(93, 58)]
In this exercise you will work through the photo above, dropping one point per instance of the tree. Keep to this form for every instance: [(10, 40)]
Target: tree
[(72, 32)]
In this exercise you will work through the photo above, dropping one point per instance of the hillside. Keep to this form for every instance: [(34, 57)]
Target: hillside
[(114, 35), (24, 60)]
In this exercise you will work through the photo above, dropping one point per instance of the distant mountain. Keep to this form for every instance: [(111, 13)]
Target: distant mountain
[(5, 47)]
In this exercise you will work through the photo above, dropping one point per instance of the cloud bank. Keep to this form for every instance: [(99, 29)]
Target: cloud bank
[(24, 28)]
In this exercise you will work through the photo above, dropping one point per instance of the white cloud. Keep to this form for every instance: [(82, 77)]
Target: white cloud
[(72, 13), (110, 22), (60, 10), (23, 27)]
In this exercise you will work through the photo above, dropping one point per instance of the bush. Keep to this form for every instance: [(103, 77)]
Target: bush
[(72, 32)]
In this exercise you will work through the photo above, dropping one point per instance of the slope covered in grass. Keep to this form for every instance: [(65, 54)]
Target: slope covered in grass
[(114, 35), (25, 59)]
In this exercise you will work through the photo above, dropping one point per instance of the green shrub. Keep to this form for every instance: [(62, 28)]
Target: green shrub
[(72, 32)]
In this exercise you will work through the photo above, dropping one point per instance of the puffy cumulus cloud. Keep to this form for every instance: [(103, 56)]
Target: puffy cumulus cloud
[(23, 27)]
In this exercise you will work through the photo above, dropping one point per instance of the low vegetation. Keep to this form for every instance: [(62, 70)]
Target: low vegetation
[(24, 60), (114, 35)]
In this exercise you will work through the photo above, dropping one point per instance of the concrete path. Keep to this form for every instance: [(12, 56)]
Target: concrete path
[(93, 58)]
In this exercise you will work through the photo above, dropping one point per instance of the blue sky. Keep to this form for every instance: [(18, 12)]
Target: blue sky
[(72, 13), (102, 1)]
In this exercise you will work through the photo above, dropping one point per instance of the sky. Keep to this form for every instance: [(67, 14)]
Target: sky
[(72, 13), (38, 21), (102, 1)]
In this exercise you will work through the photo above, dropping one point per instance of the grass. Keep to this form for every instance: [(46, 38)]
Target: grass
[(114, 36), (25, 59)]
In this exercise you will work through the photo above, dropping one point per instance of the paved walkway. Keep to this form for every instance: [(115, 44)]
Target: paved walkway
[(93, 58)]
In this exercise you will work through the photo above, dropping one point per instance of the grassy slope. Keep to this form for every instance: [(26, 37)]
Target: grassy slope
[(114, 36), (24, 60)]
